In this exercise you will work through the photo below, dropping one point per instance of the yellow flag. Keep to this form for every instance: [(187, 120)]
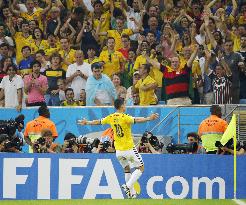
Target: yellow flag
[(230, 131)]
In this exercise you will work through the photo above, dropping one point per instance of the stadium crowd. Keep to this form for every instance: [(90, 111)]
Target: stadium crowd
[(149, 52)]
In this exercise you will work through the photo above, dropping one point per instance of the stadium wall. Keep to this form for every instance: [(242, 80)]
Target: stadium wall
[(65, 119), (90, 176)]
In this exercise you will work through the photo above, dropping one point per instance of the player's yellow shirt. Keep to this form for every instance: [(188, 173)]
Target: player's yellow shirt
[(112, 62), (155, 73), (42, 46), (146, 97), (117, 36), (20, 42), (121, 124), (70, 57)]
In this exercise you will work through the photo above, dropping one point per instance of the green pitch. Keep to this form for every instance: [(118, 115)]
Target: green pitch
[(121, 202)]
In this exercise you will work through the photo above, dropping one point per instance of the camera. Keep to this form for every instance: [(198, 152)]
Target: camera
[(182, 148), (9, 127), (38, 146), (148, 137), (11, 144), (84, 144)]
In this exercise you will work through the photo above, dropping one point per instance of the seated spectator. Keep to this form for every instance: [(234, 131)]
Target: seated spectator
[(35, 86), (120, 90), (62, 87), (82, 97), (69, 94), (100, 90)]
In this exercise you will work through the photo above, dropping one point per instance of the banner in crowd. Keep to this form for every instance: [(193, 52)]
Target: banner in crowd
[(93, 176), (66, 118)]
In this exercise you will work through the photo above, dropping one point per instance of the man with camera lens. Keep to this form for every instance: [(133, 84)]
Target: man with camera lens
[(70, 145), (10, 144), (45, 144), (149, 144), (193, 140), (81, 144), (10, 132), (228, 148), (106, 142)]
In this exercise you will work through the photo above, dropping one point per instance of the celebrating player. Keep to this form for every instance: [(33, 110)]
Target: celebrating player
[(126, 152)]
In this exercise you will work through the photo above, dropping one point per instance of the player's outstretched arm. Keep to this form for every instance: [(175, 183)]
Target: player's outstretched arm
[(145, 119), (87, 122)]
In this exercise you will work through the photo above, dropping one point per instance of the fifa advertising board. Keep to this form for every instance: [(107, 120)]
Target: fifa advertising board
[(94, 176)]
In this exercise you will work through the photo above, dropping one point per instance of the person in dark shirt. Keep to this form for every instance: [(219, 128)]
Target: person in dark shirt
[(53, 73), (242, 72)]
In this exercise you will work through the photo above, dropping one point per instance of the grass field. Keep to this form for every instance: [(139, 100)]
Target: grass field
[(122, 202)]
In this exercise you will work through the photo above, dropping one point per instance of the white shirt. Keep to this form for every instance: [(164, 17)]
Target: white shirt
[(131, 24), (10, 90), (103, 96), (78, 82)]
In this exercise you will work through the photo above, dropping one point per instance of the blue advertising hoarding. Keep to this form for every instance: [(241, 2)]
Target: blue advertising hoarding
[(90, 176), (65, 119)]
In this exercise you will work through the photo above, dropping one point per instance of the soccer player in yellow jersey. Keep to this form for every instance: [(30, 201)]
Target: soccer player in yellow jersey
[(126, 152)]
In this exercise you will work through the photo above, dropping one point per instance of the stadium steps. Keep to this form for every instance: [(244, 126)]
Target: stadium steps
[(241, 124)]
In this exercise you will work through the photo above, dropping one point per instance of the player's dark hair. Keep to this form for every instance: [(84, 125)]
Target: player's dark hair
[(118, 103)]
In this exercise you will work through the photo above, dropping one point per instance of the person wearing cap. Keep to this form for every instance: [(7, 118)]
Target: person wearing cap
[(211, 129), (77, 73), (34, 128), (100, 90)]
